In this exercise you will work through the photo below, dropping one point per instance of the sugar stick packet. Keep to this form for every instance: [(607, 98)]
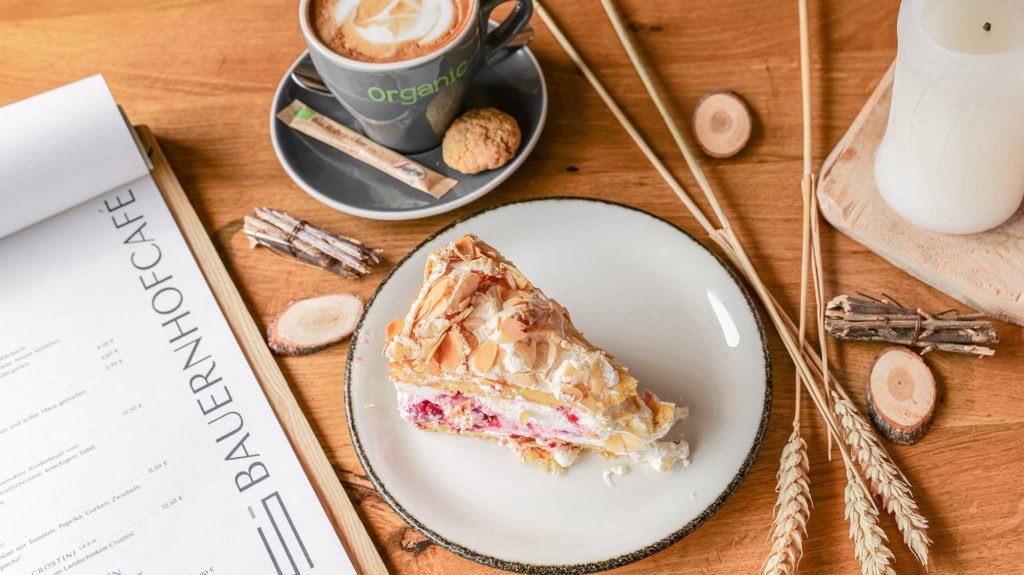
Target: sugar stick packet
[(302, 118)]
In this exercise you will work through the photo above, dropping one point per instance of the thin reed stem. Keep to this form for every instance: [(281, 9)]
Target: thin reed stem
[(724, 236), (811, 236)]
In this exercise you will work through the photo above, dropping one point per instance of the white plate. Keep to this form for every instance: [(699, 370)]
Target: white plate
[(640, 288)]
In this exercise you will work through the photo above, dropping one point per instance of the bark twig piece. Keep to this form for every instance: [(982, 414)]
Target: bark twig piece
[(291, 237), (866, 319)]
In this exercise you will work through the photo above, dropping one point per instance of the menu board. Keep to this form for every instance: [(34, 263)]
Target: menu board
[(134, 436)]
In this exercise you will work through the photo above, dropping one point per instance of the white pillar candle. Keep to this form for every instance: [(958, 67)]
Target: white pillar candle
[(952, 159)]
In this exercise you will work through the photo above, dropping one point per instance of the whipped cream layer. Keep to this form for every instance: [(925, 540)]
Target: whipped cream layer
[(463, 414), (515, 417), (554, 430)]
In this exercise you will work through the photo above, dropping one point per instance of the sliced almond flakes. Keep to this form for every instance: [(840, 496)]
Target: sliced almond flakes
[(431, 348), (463, 291), (511, 331), (519, 279), (527, 351), (451, 350), (521, 379), (632, 442), (545, 355), (394, 328), (471, 340), (473, 322), (464, 248), (400, 352), (572, 391), (597, 382), (461, 316), (433, 298), (615, 444), (484, 356)]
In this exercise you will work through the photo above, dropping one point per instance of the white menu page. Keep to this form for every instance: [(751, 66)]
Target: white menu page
[(134, 437)]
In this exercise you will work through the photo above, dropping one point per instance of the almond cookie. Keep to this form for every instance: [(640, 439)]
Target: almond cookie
[(481, 139)]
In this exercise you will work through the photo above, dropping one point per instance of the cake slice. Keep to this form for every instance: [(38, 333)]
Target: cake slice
[(482, 352)]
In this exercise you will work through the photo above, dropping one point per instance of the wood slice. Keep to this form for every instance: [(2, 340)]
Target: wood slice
[(901, 395), (722, 124), (308, 325)]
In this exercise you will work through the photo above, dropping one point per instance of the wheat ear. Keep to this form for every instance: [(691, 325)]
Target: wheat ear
[(885, 479), (792, 509), (868, 538)]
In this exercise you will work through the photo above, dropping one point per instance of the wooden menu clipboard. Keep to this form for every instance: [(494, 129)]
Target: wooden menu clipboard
[(314, 461)]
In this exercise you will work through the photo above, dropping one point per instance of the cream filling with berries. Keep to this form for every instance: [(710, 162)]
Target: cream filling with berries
[(577, 428)]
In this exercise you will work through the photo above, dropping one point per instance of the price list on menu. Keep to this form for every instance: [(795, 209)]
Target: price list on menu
[(134, 436)]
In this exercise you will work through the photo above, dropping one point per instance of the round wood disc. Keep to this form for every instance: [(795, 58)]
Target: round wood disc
[(901, 395), (308, 325), (722, 124)]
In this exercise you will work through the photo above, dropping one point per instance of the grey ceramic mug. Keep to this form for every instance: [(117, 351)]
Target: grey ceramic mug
[(408, 105)]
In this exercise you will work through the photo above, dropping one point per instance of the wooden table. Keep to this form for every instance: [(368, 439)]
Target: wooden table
[(202, 75)]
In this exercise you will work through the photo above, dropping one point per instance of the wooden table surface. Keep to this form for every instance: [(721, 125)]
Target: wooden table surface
[(202, 75)]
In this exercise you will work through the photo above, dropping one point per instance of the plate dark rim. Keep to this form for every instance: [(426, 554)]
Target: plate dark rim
[(579, 568), (500, 175)]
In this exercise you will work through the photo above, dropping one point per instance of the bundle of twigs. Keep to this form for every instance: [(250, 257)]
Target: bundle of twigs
[(793, 507), (869, 319), (306, 243)]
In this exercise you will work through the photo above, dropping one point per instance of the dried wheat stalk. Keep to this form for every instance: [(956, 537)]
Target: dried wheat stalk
[(885, 479), (913, 525), (723, 235), (792, 509), (869, 540), (861, 510), (811, 249)]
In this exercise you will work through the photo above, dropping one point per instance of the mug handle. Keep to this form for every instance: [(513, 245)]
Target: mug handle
[(496, 40)]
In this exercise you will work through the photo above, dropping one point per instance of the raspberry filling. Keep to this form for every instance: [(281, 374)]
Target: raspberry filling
[(424, 412), (572, 417), (462, 413)]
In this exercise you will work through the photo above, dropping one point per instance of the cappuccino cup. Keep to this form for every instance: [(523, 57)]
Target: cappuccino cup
[(402, 68)]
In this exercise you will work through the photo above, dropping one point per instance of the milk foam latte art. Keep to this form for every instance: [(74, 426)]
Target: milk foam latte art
[(388, 30)]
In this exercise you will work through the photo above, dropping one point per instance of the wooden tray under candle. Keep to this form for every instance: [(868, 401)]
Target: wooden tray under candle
[(984, 271)]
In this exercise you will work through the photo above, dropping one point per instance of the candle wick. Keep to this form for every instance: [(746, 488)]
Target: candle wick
[(987, 27)]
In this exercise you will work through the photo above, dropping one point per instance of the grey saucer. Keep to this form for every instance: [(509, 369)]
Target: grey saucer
[(514, 85)]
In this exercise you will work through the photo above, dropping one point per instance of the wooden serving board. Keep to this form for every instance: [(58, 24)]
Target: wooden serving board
[(318, 469), (985, 271)]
